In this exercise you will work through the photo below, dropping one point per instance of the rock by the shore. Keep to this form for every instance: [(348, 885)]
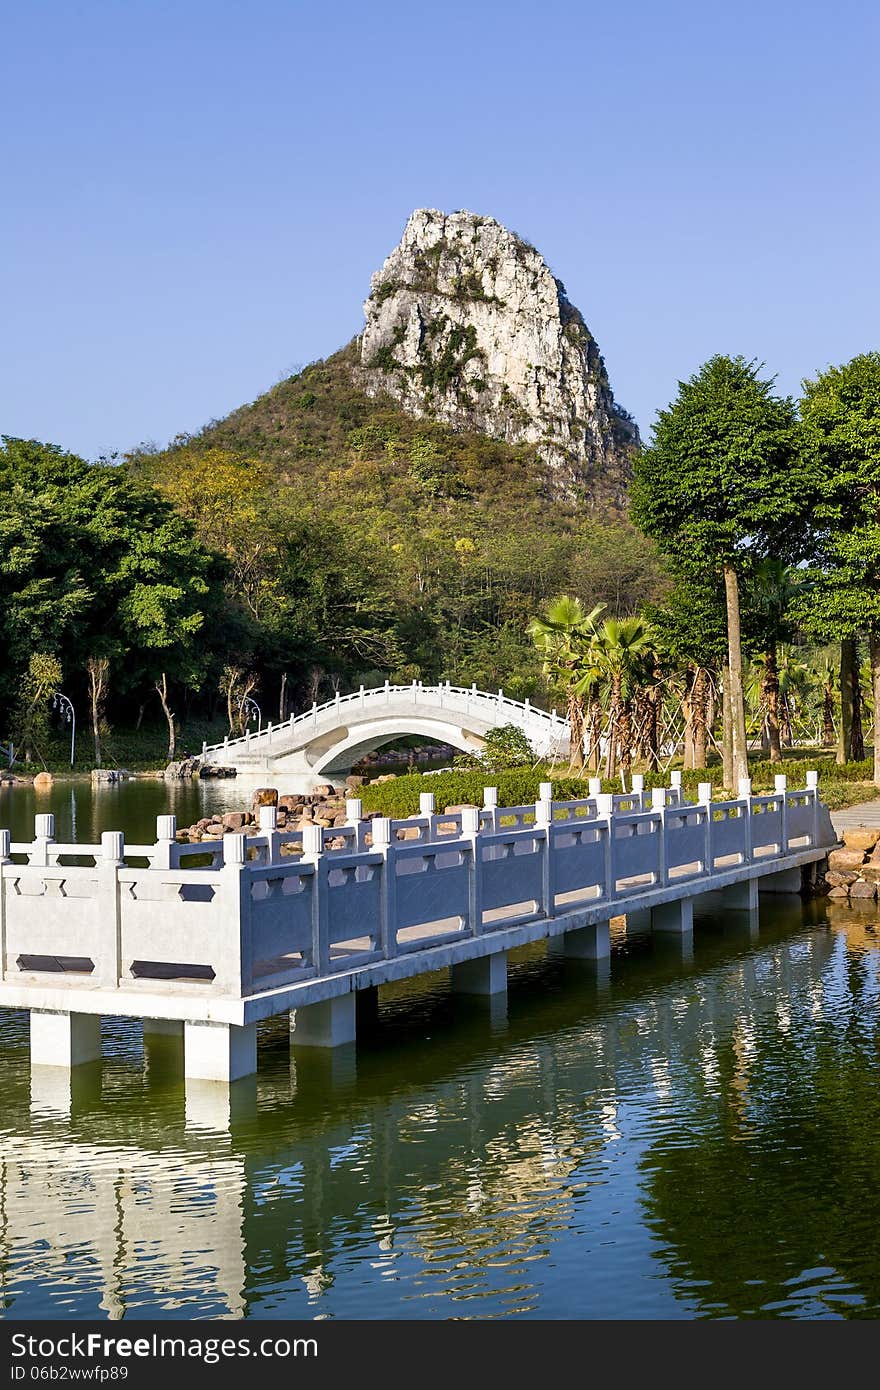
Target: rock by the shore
[(43, 781)]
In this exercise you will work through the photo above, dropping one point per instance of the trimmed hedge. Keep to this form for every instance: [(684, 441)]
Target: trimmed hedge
[(519, 786)]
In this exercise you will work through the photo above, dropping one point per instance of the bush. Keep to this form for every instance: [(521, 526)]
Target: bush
[(519, 786), (505, 747)]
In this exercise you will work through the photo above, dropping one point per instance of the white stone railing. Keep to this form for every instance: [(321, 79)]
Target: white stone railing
[(129, 917), (495, 709)]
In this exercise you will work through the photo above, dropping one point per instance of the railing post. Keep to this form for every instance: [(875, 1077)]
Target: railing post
[(780, 786), (236, 973), (269, 827), (704, 798), (269, 732), (594, 788), (744, 793), (388, 895), (354, 815), (813, 786), (5, 852), (638, 788), (204, 748), (490, 805), (109, 915), (427, 803), (470, 831), (313, 853), (166, 842), (544, 822), (605, 812), (44, 836), (675, 785), (658, 803)]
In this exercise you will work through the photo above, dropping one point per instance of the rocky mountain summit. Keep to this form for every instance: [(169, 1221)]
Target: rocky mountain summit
[(466, 324)]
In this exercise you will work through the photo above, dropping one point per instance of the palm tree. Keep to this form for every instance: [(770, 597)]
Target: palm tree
[(825, 673), (623, 654), (564, 637)]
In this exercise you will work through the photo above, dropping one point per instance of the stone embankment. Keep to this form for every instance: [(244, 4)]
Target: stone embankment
[(324, 806), (854, 871)]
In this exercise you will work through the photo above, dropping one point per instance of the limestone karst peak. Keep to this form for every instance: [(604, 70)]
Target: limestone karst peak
[(466, 324)]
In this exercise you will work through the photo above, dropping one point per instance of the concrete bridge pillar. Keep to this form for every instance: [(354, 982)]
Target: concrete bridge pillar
[(219, 1051), (64, 1039), (329, 1023), (786, 881), (741, 896), (586, 943), (486, 975), (676, 917)]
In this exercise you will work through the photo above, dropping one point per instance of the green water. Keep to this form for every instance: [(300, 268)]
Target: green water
[(676, 1136), (82, 811)]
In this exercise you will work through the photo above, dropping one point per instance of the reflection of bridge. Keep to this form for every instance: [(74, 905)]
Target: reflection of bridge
[(328, 739), (448, 1171)]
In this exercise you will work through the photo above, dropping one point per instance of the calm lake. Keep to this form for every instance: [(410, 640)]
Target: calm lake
[(677, 1135)]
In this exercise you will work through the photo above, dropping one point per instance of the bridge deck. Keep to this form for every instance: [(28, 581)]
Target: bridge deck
[(146, 932)]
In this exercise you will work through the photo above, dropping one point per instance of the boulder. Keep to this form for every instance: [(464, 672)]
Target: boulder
[(354, 782), (324, 789), (386, 777), (264, 796), (835, 878), (870, 872), (846, 859), (289, 802), (234, 820), (862, 839), (43, 781), (861, 889), (839, 893)]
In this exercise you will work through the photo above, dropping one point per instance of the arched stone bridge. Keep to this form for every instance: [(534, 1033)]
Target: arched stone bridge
[(327, 740)]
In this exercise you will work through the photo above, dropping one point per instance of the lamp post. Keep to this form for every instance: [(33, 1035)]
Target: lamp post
[(250, 709), (68, 714)]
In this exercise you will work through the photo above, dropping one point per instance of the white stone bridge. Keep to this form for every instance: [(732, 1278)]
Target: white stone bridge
[(327, 740)]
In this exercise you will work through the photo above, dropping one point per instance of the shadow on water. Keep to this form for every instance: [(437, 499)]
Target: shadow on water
[(675, 1135)]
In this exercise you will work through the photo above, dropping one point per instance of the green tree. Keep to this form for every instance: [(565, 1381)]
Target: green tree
[(722, 486), (840, 410), (621, 653)]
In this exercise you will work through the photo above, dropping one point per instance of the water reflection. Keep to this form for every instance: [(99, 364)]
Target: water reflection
[(681, 1138)]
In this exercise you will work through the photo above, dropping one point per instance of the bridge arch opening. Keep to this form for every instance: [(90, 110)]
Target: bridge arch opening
[(356, 744)]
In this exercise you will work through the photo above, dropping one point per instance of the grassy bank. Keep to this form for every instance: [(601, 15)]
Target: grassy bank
[(840, 786)]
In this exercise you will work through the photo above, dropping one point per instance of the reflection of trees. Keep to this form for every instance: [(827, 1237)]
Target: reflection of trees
[(774, 1206), (459, 1154)]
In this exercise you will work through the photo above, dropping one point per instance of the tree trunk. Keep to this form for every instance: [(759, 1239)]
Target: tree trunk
[(625, 735), (828, 734), (698, 717), (844, 733), (614, 713), (687, 710), (162, 692), (739, 747), (98, 668), (282, 699), (874, 643), (653, 730), (576, 738), (726, 730), (858, 739), (770, 692), (595, 735)]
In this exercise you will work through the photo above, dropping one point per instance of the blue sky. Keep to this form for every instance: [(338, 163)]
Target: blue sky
[(195, 194)]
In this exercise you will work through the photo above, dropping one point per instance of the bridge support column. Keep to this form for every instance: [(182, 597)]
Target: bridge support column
[(786, 881), (64, 1039), (366, 1008), (676, 918), (330, 1023), (163, 1028), (741, 896), (486, 975), (587, 943), (219, 1051), (638, 922)]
